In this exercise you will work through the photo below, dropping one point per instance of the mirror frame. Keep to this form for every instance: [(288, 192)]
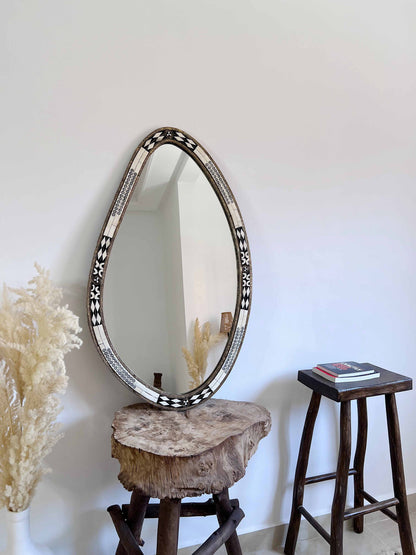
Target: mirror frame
[(96, 322)]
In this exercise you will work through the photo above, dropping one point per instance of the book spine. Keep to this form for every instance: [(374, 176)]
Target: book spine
[(324, 374)]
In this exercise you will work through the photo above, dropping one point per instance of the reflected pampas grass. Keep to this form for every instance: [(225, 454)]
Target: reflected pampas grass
[(35, 334), (197, 360)]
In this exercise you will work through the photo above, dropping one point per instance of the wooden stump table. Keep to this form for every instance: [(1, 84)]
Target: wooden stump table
[(171, 455)]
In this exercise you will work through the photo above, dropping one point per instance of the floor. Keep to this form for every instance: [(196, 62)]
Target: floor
[(380, 537)]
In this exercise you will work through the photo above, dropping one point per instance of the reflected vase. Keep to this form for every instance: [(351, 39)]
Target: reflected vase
[(19, 541)]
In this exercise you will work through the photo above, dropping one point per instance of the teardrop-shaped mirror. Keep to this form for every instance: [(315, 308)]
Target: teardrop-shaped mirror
[(170, 316)]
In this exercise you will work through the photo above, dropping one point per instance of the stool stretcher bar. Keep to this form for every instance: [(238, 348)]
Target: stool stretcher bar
[(314, 523), (127, 539), (350, 513), (387, 512), (187, 509), (367, 509), (329, 476), (222, 534)]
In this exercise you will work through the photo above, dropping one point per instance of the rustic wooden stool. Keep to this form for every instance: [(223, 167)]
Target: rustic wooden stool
[(171, 455), (387, 384)]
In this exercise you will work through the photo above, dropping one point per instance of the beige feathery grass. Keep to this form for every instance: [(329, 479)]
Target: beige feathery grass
[(198, 359), (35, 334)]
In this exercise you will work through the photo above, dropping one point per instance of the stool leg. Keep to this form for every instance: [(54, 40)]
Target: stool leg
[(341, 480), (300, 474), (135, 517), (359, 462), (168, 527), (224, 509), (397, 468)]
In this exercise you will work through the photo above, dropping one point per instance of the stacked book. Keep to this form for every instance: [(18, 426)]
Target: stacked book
[(346, 371)]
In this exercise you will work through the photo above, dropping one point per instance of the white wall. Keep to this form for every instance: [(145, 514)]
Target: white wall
[(308, 108)]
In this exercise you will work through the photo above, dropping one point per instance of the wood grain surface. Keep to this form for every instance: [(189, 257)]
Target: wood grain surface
[(176, 454)]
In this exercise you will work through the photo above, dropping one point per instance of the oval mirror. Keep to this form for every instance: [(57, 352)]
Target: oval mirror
[(170, 280)]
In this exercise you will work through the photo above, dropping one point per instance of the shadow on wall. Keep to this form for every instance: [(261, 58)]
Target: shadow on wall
[(82, 466), (287, 400)]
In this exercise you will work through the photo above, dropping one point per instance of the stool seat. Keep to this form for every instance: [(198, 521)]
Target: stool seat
[(171, 455), (388, 384)]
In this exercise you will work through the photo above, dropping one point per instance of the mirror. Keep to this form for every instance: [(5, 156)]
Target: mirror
[(178, 251), (170, 315)]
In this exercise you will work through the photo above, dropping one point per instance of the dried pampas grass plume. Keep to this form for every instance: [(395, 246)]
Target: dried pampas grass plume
[(35, 334), (198, 359)]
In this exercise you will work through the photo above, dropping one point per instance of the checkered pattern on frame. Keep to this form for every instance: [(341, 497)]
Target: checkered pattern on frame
[(97, 275), (245, 268), (165, 134), (167, 400), (176, 402)]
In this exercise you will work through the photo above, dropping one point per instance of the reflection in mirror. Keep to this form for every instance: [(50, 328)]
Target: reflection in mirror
[(171, 275)]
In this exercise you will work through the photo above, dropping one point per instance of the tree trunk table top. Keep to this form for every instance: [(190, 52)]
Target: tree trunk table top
[(184, 454)]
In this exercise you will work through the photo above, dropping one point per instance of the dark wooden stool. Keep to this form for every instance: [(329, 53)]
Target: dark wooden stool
[(128, 522), (171, 455), (387, 384)]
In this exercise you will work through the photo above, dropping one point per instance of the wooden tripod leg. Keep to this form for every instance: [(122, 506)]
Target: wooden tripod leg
[(341, 480), (359, 462), (135, 517), (224, 509), (301, 468), (397, 469), (168, 527)]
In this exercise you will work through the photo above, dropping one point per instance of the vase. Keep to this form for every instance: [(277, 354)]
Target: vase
[(19, 541)]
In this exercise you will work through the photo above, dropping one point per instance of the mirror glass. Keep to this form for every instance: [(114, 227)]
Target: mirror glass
[(171, 276)]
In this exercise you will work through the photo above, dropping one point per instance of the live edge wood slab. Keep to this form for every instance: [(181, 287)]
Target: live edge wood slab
[(165, 454)]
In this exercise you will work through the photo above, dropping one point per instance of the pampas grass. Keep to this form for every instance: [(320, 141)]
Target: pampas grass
[(35, 334), (198, 359)]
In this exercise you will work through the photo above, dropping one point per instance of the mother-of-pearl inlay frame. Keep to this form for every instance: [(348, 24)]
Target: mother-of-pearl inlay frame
[(173, 401)]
